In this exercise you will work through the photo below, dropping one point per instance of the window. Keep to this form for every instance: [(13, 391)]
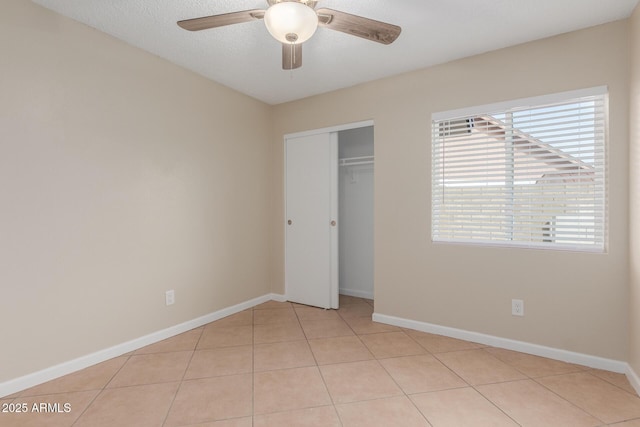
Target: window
[(523, 173)]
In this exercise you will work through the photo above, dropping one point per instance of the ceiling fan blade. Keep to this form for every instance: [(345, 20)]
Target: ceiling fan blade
[(215, 21), (291, 56), (355, 25)]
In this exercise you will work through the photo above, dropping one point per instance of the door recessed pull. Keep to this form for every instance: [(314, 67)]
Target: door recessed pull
[(289, 222), (333, 223)]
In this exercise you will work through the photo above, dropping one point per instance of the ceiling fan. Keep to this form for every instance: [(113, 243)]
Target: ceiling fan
[(292, 22)]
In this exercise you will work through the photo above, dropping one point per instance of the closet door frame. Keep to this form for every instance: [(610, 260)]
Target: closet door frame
[(334, 276)]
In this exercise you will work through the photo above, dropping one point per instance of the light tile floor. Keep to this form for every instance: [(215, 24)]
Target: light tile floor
[(283, 364)]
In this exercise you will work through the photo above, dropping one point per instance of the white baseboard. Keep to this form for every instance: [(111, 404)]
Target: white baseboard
[(633, 378), (279, 297), (39, 377), (521, 346), (356, 293)]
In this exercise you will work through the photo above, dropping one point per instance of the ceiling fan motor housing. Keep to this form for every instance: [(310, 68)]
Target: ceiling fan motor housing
[(310, 3)]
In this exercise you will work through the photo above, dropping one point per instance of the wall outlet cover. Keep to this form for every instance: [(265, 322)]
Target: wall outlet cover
[(517, 307), (170, 297)]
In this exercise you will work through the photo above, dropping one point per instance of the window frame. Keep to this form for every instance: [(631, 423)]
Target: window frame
[(598, 246)]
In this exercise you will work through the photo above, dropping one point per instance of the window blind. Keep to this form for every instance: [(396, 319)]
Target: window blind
[(524, 173)]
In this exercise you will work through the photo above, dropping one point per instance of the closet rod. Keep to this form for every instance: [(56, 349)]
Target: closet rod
[(352, 161), (357, 163)]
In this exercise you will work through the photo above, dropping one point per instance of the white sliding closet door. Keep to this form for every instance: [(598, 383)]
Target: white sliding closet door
[(311, 255)]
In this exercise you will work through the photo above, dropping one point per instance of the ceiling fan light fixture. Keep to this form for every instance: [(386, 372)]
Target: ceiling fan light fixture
[(291, 22)]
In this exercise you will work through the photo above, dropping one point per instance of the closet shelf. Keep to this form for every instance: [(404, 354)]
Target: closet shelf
[(353, 161)]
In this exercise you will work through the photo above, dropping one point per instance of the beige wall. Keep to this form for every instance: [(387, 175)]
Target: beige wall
[(573, 301), (634, 193), (121, 176)]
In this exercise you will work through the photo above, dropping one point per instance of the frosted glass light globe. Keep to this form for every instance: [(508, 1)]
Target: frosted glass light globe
[(291, 22)]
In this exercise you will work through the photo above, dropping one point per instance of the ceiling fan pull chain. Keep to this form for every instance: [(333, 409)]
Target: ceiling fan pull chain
[(293, 60)]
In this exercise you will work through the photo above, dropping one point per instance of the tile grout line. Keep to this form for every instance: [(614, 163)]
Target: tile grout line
[(317, 366), (495, 405), (590, 372), (528, 378), (405, 394), (385, 369), (102, 390), (193, 352), (435, 356), (474, 386), (564, 398), (468, 385)]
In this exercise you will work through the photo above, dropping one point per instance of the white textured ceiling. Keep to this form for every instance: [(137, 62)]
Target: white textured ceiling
[(245, 57)]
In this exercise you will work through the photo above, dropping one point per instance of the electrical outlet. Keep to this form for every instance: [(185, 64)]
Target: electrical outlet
[(517, 307), (170, 297)]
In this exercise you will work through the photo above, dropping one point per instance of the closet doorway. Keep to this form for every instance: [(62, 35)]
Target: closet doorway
[(355, 212), (329, 214)]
